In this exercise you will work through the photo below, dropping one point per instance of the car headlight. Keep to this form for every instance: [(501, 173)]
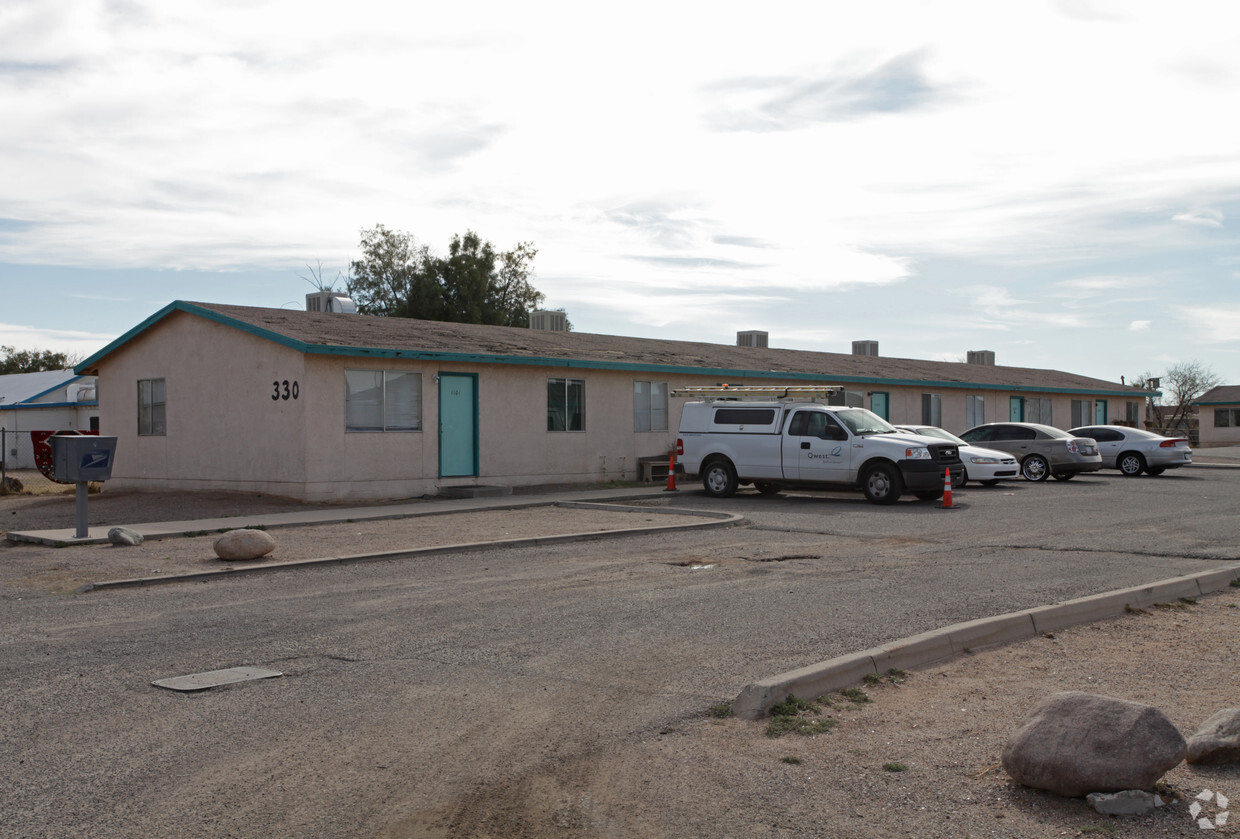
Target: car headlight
[(917, 453), (981, 459)]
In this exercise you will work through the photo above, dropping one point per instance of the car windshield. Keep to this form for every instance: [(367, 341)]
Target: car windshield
[(861, 422), (932, 431)]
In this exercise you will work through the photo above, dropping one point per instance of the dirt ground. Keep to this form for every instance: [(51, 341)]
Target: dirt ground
[(920, 758)]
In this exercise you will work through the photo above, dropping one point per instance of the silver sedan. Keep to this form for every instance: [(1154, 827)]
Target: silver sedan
[(1135, 450)]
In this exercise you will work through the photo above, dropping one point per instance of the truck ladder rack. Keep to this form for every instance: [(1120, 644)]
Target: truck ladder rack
[(740, 392)]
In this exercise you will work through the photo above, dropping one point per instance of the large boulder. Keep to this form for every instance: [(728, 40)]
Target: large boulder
[(244, 544), (124, 536), (1076, 743), (1218, 739)]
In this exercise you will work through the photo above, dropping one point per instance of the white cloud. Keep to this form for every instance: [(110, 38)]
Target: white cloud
[(1139, 325), (72, 342), (1214, 324), (1204, 218), (230, 134)]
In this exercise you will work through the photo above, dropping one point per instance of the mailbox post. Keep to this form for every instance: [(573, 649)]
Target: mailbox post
[(82, 458)]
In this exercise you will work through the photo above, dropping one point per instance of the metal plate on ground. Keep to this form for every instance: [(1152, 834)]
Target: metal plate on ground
[(215, 678)]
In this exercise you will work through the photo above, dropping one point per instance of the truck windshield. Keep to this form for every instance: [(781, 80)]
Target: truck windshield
[(861, 422)]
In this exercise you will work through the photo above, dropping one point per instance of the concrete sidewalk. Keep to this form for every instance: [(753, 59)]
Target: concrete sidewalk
[(328, 515)]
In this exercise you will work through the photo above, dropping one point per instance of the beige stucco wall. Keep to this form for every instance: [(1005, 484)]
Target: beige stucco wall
[(225, 431), (1211, 436)]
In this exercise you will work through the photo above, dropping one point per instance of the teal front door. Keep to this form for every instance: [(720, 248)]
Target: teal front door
[(458, 425)]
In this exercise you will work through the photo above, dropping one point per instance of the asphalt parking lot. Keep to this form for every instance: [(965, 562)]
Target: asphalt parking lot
[(525, 655)]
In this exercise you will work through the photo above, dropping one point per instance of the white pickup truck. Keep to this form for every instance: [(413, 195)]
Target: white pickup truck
[(776, 437)]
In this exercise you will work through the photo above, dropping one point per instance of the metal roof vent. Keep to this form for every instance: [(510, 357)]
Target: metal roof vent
[(752, 338), (865, 348), (986, 357), (330, 301), (549, 320)]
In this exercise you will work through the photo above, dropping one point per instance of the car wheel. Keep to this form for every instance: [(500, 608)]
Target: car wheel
[(1035, 468), (1064, 476), (989, 483), (1155, 470), (767, 488), (959, 478), (882, 484), (1130, 464), (719, 478)]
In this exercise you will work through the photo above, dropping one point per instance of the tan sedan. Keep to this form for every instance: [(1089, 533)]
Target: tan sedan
[(1042, 450)]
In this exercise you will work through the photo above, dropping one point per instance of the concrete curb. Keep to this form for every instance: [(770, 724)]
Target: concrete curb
[(756, 699), (718, 520), (63, 538)]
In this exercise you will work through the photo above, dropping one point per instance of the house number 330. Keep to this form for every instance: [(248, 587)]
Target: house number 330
[(284, 390)]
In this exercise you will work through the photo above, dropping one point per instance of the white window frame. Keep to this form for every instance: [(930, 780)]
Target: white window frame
[(649, 406), (561, 417), (389, 404), (974, 410), (152, 408)]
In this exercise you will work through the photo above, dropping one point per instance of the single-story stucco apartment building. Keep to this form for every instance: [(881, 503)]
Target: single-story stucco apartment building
[(324, 405), (1218, 410)]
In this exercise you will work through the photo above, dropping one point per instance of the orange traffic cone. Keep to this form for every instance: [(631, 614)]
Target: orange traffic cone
[(947, 490), (671, 472)]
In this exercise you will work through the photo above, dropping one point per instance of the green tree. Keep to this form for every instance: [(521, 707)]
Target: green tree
[(33, 361), (474, 283)]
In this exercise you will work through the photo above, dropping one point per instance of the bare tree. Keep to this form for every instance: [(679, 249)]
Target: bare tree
[(1180, 385), (316, 278)]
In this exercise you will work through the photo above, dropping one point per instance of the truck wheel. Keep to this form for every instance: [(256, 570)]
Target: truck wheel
[(929, 495), (882, 484), (1035, 468), (767, 488), (719, 478)]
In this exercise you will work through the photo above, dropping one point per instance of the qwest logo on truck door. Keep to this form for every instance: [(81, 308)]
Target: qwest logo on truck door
[(814, 450)]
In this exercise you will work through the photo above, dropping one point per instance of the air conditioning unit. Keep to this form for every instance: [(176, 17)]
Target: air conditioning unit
[(865, 348), (549, 320), (752, 338), (330, 301), (986, 357)]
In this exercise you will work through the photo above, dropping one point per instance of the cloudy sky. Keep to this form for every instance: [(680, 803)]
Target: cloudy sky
[(1055, 181)]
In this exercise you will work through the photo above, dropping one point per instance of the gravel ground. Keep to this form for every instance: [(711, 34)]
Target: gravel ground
[(921, 758), (33, 568)]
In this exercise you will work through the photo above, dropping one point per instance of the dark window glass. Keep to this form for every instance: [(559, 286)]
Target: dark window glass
[(1014, 432), (744, 416)]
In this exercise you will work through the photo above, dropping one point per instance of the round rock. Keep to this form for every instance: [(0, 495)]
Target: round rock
[(244, 544)]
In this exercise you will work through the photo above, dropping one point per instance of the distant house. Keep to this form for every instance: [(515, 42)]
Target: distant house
[(1219, 411), (51, 400), (324, 405)]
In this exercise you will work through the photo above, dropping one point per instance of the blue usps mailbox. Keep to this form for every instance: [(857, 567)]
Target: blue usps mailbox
[(82, 458)]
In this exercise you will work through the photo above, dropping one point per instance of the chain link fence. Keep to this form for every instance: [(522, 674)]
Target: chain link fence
[(19, 471)]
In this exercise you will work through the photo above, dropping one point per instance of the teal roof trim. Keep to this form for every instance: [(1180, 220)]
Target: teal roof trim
[(542, 361), (31, 406), (50, 389), (179, 306)]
